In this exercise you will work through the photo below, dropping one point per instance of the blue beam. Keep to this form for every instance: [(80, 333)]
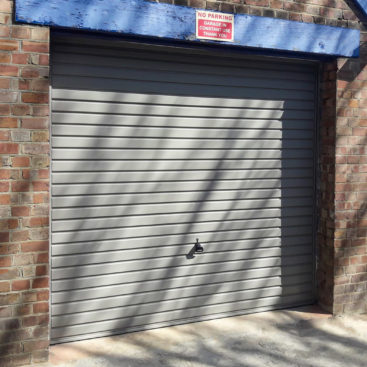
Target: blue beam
[(144, 18), (362, 5)]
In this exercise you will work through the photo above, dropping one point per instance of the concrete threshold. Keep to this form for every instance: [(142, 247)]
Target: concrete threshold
[(302, 337)]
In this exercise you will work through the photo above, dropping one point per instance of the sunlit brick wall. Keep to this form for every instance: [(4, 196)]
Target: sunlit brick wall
[(24, 186), (350, 290), (327, 12)]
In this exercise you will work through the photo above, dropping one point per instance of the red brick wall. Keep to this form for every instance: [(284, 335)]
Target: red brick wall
[(328, 12), (24, 183), (24, 177), (350, 288)]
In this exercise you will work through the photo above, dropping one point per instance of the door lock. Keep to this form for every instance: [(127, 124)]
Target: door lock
[(198, 247)]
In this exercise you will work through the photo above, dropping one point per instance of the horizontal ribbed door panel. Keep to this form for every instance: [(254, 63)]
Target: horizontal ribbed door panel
[(153, 149)]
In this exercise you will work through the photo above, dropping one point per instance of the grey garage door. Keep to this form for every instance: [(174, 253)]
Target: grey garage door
[(153, 149)]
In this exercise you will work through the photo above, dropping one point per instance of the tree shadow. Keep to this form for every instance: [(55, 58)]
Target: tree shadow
[(232, 187), (281, 338), (132, 207)]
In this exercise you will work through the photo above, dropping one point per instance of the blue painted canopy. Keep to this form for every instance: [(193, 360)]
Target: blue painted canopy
[(362, 5), (144, 18)]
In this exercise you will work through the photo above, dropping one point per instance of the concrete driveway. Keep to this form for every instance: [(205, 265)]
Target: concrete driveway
[(302, 337)]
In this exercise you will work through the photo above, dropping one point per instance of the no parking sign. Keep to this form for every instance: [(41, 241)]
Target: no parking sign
[(214, 26)]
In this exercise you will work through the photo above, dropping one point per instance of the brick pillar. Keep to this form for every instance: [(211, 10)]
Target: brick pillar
[(326, 199), (342, 236), (350, 288), (24, 186)]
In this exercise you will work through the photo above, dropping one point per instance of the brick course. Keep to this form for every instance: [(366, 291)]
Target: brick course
[(24, 186), (24, 178)]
